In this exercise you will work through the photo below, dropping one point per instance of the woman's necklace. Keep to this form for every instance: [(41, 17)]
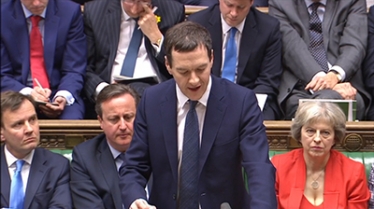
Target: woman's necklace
[(315, 183)]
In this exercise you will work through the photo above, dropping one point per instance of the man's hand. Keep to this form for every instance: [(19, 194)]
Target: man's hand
[(346, 90), (148, 24), (40, 94), (141, 204), (327, 81), (55, 109)]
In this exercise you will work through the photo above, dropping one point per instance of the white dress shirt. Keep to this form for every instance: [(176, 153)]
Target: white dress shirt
[(11, 162)]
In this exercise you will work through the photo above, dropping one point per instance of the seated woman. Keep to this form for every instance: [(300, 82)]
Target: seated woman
[(316, 176)]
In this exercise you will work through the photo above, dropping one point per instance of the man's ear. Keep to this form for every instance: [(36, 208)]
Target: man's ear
[(167, 64), (2, 138), (100, 121)]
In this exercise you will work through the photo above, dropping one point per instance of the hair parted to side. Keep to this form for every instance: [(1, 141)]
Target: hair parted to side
[(314, 112), (112, 91), (11, 100), (186, 37)]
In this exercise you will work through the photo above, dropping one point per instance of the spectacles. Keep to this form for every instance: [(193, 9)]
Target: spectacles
[(132, 2)]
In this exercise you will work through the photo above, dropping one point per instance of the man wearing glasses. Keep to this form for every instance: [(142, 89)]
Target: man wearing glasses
[(125, 40)]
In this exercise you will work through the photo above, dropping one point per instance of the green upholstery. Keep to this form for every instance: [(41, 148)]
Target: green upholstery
[(367, 158)]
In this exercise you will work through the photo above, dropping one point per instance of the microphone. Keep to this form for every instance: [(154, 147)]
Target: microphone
[(225, 205)]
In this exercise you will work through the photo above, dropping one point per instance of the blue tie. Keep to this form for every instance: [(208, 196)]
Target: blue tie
[(229, 66), (316, 47), (16, 189), (128, 66), (188, 190)]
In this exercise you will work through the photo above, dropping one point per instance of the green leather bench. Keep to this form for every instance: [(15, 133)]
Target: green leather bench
[(367, 158)]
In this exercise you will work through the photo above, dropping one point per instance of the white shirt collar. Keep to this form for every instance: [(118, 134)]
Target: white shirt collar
[(310, 2), (11, 160), (29, 14), (226, 27), (115, 153), (182, 99)]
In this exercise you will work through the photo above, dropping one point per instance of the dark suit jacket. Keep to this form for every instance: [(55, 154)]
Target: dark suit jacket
[(345, 181), (102, 26), (259, 65), (64, 50), (48, 182), (94, 177), (345, 39), (368, 69), (233, 137)]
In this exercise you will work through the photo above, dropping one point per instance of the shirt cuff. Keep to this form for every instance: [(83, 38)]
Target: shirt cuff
[(158, 48), (339, 70), (319, 74), (26, 91), (67, 95), (100, 87)]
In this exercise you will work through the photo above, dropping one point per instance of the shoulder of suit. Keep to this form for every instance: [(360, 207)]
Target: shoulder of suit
[(90, 144), (51, 156)]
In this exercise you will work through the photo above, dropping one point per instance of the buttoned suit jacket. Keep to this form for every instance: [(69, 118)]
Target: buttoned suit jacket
[(47, 185), (102, 20), (64, 50), (233, 137), (368, 69), (344, 29), (259, 59), (345, 181), (94, 177)]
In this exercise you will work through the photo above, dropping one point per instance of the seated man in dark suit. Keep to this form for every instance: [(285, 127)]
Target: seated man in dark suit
[(324, 44), (31, 177), (368, 69), (254, 61), (43, 54), (125, 40), (94, 168), (257, 3)]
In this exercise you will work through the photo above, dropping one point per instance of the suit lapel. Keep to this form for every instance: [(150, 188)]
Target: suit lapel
[(304, 17), (299, 175), (331, 194), (22, 39), (215, 110), (249, 36), (331, 9), (51, 25), (215, 29), (113, 22), (37, 172), (5, 179), (168, 112), (108, 169)]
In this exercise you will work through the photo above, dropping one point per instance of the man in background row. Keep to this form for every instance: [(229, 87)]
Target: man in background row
[(94, 168), (31, 177), (324, 44), (368, 69), (247, 48), (43, 54), (257, 3), (125, 39)]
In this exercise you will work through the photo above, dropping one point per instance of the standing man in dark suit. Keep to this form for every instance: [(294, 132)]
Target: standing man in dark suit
[(31, 177), (368, 69), (110, 25), (94, 168), (195, 133), (324, 44), (257, 62), (44, 40)]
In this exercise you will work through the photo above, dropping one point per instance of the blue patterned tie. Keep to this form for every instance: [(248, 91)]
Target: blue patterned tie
[(188, 189), (17, 195), (316, 47), (229, 66), (128, 66)]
